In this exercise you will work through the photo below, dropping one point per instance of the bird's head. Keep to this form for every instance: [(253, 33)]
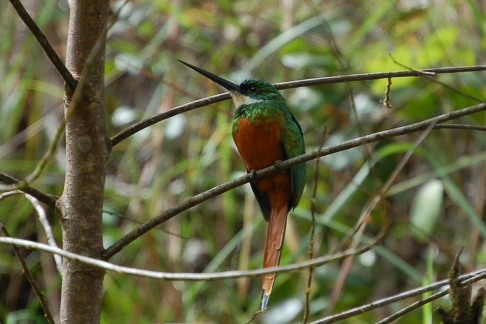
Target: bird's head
[(248, 92)]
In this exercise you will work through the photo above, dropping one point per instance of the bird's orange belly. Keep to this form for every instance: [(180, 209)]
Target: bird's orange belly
[(260, 146)]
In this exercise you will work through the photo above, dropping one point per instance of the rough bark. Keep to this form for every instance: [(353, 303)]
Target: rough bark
[(80, 206)]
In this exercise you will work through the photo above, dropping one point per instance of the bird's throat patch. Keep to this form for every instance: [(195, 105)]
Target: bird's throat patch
[(242, 100)]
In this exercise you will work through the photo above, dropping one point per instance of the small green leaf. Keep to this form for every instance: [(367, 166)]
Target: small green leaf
[(426, 208)]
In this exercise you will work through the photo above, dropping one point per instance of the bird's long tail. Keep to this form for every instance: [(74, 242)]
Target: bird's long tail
[(277, 221)]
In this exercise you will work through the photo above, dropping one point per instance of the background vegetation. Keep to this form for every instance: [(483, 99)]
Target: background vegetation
[(430, 205)]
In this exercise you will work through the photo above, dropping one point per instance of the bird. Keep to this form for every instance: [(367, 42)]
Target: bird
[(265, 133)]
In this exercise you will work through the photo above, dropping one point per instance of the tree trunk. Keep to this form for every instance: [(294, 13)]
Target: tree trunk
[(87, 148)]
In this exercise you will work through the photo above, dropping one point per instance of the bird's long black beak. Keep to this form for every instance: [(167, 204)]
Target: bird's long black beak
[(230, 86)]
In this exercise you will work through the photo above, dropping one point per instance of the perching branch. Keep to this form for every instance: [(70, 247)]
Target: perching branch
[(189, 203), (46, 46)]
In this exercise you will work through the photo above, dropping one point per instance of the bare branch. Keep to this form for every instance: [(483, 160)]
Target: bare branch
[(461, 126), (191, 276), (46, 46), (289, 85), (165, 115), (185, 205)]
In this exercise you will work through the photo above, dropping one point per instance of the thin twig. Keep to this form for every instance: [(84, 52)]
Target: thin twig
[(30, 278), (46, 46), (10, 193), (42, 197), (461, 126), (312, 234), (255, 314), (386, 100), (189, 203), (445, 85), (50, 152)]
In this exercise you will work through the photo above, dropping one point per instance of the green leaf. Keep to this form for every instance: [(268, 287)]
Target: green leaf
[(426, 208)]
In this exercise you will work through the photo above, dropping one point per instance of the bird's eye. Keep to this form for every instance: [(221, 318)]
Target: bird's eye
[(253, 89)]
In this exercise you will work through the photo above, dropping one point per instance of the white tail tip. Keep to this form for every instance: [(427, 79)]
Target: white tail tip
[(265, 299)]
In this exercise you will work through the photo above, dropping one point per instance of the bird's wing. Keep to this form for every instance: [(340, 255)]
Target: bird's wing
[(293, 143)]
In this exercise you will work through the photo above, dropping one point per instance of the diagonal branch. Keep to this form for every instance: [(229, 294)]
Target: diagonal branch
[(189, 203), (288, 85), (165, 115), (50, 152), (46, 46)]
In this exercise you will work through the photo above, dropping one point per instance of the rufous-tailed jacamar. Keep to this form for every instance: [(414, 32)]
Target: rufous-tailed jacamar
[(265, 133)]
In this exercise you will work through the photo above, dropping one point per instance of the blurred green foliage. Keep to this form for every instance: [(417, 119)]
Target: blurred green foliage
[(187, 154)]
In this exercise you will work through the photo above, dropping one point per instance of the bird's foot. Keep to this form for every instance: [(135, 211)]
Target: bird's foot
[(253, 175), (276, 164)]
